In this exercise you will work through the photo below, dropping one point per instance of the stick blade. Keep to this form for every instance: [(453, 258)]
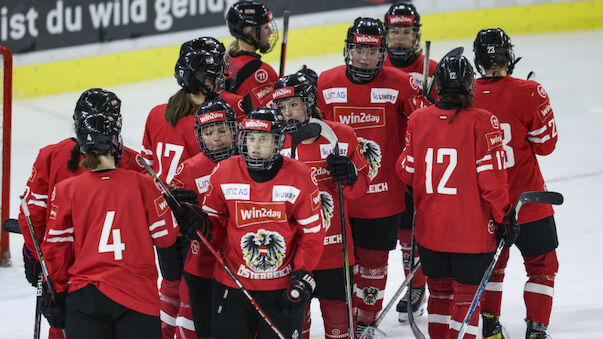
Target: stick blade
[(542, 197), (11, 226)]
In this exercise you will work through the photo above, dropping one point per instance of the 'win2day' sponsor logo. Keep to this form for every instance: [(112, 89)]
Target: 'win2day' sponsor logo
[(360, 117), (250, 213), (494, 139)]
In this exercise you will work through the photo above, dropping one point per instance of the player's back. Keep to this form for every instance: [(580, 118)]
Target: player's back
[(259, 83)]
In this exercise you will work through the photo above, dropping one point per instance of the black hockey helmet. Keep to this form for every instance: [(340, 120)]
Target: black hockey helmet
[(253, 14), (310, 74), (214, 121), (492, 46), (294, 85), (97, 120), (404, 15), (454, 74), (261, 138), (194, 67), (211, 45), (365, 33)]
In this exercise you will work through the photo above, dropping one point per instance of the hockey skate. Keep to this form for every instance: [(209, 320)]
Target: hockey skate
[(491, 327), (417, 299), (536, 330), (364, 331)]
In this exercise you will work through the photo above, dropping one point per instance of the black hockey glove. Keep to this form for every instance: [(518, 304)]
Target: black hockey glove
[(342, 169), (301, 287), (508, 229), (184, 195), (32, 267), (54, 310), (192, 219)]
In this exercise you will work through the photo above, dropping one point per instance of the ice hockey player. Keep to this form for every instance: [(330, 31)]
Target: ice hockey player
[(526, 118), (216, 133), (55, 163), (403, 26), (103, 225), (266, 214), (252, 26), (375, 101), (295, 96), (169, 139), (452, 160)]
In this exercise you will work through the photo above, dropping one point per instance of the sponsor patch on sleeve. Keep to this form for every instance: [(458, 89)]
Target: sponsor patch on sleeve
[(494, 122), (161, 205), (494, 139), (202, 184), (54, 210), (544, 110), (315, 200), (32, 177)]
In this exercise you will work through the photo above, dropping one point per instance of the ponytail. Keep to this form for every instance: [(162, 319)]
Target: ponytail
[(456, 100), (178, 106)]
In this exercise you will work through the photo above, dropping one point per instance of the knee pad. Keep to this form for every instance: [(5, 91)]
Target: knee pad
[(370, 258), (543, 267)]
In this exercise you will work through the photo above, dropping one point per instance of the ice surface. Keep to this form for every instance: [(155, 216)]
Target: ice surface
[(568, 66)]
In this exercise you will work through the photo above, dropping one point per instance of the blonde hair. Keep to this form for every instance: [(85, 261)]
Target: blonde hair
[(233, 47), (178, 106), (91, 159)]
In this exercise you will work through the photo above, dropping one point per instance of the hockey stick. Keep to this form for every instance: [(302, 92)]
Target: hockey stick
[(38, 318), (11, 226), (531, 76), (172, 202), (370, 330), (426, 65), (328, 133), (281, 72), (542, 197), (411, 317)]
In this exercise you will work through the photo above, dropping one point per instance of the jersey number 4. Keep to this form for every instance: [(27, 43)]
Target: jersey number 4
[(117, 246)]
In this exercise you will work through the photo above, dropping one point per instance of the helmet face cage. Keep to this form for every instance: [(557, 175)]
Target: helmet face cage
[(404, 15), (294, 86), (269, 143), (252, 14), (493, 46), (213, 134), (455, 74), (365, 40)]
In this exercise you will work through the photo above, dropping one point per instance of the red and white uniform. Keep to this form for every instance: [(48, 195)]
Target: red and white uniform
[(378, 112), (49, 169), (102, 228), (193, 174), (460, 188), (260, 83), (415, 69), (264, 230), (526, 118)]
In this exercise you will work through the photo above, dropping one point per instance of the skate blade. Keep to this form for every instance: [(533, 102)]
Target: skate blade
[(403, 316)]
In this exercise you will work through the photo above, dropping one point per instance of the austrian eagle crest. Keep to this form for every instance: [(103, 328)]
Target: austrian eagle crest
[(372, 153), (263, 251), (326, 201)]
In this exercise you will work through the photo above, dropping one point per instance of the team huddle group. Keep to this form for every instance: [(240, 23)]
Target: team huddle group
[(278, 177)]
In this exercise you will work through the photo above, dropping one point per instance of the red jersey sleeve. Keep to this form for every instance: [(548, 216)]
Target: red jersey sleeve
[(413, 98), (405, 166), (355, 154), (491, 173), (542, 130), (307, 213), (36, 196), (162, 226), (147, 142), (215, 206), (58, 245)]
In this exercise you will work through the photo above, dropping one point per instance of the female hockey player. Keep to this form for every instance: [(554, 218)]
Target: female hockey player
[(403, 26), (55, 163), (529, 129), (375, 101), (295, 96), (169, 139), (216, 133), (267, 224), (253, 28), (102, 227), (452, 159)]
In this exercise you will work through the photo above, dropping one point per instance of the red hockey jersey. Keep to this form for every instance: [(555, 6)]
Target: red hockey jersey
[(193, 174), (264, 230), (49, 169), (101, 231), (529, 129), (165, 147), (415, 69), (458, 177), (314, 155), (260, 83), (378, 112)]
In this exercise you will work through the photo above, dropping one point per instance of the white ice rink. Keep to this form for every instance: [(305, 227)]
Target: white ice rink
[(566, 64)]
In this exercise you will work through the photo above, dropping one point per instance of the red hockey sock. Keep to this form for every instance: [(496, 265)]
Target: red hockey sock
[(463, 295), (55, 333), (538, 291), (370, 276), (335, 318), (491, 299), (185, 326), (439, 306), (405, 237), (169, 302)]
